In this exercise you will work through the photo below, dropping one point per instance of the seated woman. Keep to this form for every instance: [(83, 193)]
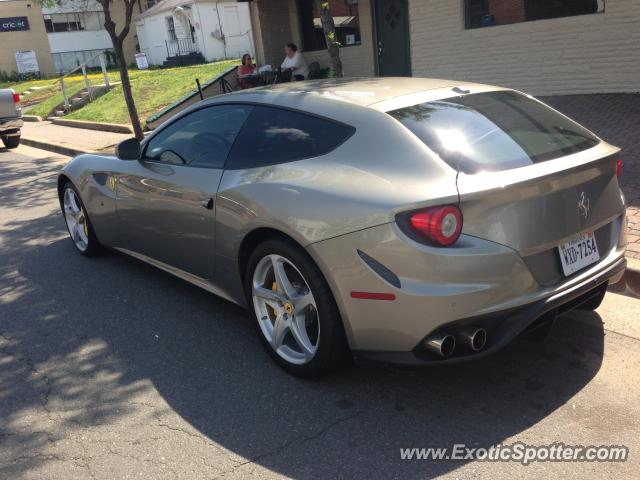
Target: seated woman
[(246, 73), (294, 66)]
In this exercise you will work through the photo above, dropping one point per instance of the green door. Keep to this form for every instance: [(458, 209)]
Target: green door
[(392, 27)]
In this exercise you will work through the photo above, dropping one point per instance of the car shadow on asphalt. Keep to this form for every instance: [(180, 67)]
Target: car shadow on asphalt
[(90, 341)]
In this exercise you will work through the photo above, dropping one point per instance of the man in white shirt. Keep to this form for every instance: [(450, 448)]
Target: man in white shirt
[(294, 63)]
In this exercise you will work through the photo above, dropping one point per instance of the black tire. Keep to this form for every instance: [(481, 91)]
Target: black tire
[(594, 302), (93, 245), (11, 141), (332, 349)]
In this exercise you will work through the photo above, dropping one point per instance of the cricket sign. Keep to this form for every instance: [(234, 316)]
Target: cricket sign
[(14, 24)]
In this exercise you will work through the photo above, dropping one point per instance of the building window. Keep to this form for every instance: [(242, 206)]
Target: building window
[(486, 13), (73, 22), (171, 29), (345, 17), (66, 61)]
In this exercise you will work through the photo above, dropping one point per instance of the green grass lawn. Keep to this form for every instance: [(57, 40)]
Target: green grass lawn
[(152, 90), (47, 93)]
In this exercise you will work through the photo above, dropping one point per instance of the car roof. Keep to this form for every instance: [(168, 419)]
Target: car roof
[(351, 100), (379, 93)]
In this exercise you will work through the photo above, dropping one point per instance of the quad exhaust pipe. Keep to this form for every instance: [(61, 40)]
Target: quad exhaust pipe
[(443, 344), (474, 338)]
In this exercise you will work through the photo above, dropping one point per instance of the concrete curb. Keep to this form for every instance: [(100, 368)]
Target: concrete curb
[(31, 118), (629, 285), (70, 151), (633, 265), (105, 127)]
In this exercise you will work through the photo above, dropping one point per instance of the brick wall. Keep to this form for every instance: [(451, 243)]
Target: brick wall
[(582, 54)]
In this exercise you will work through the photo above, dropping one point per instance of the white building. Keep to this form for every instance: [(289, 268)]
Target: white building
[(183, 29), (76, 33)]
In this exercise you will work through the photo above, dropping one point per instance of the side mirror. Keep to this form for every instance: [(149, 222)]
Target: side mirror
[(128, 149)]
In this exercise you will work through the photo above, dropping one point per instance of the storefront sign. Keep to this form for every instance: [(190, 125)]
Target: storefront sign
[(27, 61), (14, 24)]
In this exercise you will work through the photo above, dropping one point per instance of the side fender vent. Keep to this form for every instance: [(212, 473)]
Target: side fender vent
[(380, 269)]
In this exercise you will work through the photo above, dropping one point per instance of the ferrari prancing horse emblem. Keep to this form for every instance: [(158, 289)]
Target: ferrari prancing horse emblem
[(583, 205)]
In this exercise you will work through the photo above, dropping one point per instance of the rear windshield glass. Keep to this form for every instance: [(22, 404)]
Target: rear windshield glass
[(493, 131)]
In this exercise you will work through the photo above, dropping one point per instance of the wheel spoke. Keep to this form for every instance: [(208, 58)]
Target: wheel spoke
[(74, 233), (267, 295), (282, 281), (300, 335), (71, 220), (81, 233), (279, 332), (301, 302), (73, 202), (69, 210)]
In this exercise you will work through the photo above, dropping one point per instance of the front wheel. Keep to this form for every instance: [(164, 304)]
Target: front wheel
[(296, 315), (77, 220), (11, 141)]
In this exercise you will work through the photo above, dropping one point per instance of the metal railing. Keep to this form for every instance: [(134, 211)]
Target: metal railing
[(181, 46), (87, 82)]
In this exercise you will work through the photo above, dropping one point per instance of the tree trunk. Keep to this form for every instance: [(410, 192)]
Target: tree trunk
[(330, 36), (126, 90), (117, 39)]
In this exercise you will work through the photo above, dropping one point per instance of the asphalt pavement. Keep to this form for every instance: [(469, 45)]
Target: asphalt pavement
[(112, 369)]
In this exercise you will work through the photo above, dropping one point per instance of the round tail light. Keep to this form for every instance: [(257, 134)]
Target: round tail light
[(440, 225)]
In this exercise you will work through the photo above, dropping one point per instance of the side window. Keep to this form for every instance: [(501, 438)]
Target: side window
[(201, 139), (273, 135)]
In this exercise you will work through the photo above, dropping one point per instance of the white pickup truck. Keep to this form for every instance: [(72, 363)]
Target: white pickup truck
[(10, 118)]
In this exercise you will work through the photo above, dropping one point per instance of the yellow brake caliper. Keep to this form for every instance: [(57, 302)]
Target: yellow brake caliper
[(84, 225)]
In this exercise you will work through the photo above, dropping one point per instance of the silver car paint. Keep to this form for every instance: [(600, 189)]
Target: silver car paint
[(347, 200), (163, 215)]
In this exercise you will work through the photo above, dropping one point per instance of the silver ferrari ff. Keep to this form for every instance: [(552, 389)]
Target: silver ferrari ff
[(408, 220)]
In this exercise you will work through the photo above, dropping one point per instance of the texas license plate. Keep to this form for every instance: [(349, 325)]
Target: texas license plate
[(578, 253)]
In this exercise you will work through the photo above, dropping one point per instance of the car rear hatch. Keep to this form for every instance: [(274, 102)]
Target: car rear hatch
[(528, 177), (9, 108)]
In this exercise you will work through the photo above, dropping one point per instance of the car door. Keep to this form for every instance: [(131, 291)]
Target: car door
[(166, 201)]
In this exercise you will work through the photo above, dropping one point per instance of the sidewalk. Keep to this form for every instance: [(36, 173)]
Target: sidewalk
[(68, 140)]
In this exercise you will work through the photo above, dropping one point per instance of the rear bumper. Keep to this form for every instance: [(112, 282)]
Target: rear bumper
[(509, 324), (10, 125)]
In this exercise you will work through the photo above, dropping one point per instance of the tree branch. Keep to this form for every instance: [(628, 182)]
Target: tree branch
[(129, 4)]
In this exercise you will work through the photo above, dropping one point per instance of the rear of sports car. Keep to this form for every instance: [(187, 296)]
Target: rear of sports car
[(538, 229)]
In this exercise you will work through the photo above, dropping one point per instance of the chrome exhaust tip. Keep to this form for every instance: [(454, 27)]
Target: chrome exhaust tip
[(441, 344), (474, 339)]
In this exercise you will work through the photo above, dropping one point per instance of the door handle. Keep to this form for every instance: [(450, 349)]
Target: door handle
[(208, 204)]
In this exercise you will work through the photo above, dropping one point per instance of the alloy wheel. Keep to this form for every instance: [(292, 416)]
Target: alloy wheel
[(286, 309), (76, 219)]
